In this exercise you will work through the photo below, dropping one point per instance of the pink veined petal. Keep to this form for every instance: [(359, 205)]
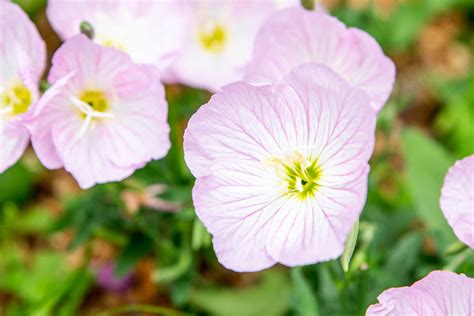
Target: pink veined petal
[(244, 128), (126, 24), (234, 124), (439, 293), (334, 123), (241, 20), (94, 66), (296, 36), (236, 204), (84, 158), (22, 51), (22, 60), (457, 199), (47, 111), (14, 138), (140, 118), (133, 131)]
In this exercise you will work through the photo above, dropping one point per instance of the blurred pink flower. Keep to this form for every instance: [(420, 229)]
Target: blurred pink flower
[(107, 279), (149, 31), (281, 170), (439, 293), (296, 36), (457, 199), (220, 36), (104, 116), (22, 62)]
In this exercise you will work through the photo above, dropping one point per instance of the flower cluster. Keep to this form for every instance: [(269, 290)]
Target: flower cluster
[(281, 151)]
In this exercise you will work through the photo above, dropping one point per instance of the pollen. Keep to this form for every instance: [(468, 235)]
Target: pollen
[(213, 37), (16, 99)]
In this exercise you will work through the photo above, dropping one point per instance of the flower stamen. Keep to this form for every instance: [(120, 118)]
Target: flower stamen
[(92, 105)]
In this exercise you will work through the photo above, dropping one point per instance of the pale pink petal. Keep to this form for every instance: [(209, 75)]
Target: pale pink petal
[(195, 65), (93, 66), (236, 204), (22, 51), (296, 36), (339, 130), (149, 31), (234, 124), (22, 62), (14, 138), (235, 145), (133, 131), (439, 293), (457, 199), (47, 111)]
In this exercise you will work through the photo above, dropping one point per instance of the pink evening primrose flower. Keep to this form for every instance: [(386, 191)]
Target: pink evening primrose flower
[(219, 40), (457, 199), (104, 116), (439, 293), (296, 36), (149, 31), (281, 169), (22, 62)]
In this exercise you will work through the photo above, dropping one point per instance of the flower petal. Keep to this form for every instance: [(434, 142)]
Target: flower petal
[(14, 138), (236, 204), (439, 293), (457, 199), (296, 36)]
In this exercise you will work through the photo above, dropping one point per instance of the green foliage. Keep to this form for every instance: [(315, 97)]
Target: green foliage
[(269, 298), (350, 246), (16, 184), (456, 120), (303, 299), (426, 166)]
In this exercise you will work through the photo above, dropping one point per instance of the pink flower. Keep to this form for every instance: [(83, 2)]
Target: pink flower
[(439, 293), (149, 31), (22, 62), (457, 199), (296, 36), (281, 170), (104, 116), (219, 41)]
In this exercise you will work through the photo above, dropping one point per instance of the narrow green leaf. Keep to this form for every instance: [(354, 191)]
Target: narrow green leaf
[(426, 166), (305, 302), (350, 246)]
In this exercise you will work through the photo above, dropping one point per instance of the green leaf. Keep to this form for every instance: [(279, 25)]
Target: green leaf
[(426, 166), (350, 246), (305, 303), (37, 220), (200, 238), (138, 247), (16, 184), (404, 257), (268, 298)]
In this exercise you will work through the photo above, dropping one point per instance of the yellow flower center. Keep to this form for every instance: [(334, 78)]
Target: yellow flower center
[(213, 37), (299, 175), (15, 100), (95, 99)]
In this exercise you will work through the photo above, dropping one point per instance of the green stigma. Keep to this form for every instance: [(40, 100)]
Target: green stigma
[(300, 175)]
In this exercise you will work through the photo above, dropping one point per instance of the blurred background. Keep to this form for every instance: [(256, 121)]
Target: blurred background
[(136, 247)]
